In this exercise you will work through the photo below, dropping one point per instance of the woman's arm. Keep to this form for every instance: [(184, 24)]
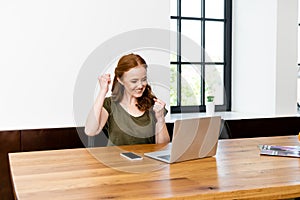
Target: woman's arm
[(161, 131), (98, 116)]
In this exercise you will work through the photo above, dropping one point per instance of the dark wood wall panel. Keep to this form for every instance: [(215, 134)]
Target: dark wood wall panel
[(9, 143), (51, 139), (263, 127)]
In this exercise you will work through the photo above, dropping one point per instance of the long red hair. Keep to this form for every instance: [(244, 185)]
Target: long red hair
[(127, 62)]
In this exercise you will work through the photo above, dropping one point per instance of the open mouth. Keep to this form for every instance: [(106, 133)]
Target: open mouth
[(139, 91)]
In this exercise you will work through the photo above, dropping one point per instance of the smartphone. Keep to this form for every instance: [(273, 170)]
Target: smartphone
[(131, 156)]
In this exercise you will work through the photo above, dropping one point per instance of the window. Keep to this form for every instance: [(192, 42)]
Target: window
[(201, 66)]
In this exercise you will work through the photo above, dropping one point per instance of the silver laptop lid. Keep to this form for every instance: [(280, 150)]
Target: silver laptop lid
[(195, 138)]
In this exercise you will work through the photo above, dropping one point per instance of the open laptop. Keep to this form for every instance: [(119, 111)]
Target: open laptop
[(192, 139)]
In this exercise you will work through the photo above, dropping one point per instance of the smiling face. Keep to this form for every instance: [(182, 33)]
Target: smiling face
[(134, 81)]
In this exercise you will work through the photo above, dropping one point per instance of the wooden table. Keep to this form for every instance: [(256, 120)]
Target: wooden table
[(237, 172)]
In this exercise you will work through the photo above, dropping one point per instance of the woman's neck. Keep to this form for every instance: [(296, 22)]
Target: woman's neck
[(128, 100), (129, 104)]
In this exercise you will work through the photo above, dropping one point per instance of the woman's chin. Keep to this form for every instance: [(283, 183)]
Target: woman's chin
[(137, 95)]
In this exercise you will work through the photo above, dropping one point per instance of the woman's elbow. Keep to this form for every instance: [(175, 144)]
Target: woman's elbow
[(90, 132)]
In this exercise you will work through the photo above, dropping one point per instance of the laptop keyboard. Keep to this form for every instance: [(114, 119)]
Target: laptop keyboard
[(165, 157)]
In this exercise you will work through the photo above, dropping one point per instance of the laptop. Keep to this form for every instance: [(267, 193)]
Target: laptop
[(192, 139)]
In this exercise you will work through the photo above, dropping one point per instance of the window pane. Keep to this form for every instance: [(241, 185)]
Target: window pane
[(214, 83), (173, 85), (173, 39), (214, 9), (190, 85), (173, 8), (191, 8), (214, 41), (191, 33), (173, 57)]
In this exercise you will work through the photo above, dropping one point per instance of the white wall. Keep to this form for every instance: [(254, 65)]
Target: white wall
[(44, 44), (287, 57), (265, 56)]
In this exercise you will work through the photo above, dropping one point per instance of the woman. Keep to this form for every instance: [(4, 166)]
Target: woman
[(132, 114)]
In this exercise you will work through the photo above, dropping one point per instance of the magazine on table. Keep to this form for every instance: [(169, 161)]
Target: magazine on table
[(276, 150)]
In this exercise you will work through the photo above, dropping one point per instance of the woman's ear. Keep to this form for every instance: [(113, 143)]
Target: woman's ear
[(119, 80)]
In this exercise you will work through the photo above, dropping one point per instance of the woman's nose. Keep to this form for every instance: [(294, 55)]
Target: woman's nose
[(141, 84)]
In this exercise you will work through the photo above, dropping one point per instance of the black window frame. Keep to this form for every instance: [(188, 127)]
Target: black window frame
[(227, 20)]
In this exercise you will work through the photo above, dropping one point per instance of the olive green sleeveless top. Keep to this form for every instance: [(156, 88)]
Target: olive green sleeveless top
[(125, 129)]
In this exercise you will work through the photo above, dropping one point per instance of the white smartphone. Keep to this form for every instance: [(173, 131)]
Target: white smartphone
[(131, 156)]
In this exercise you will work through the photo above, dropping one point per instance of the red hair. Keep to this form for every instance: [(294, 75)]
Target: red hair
[(127, 62)]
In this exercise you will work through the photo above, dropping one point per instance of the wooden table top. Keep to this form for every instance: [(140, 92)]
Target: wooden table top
[(237, 171)]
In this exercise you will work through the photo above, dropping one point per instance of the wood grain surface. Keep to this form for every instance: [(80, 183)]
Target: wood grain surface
[(238, 171)]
